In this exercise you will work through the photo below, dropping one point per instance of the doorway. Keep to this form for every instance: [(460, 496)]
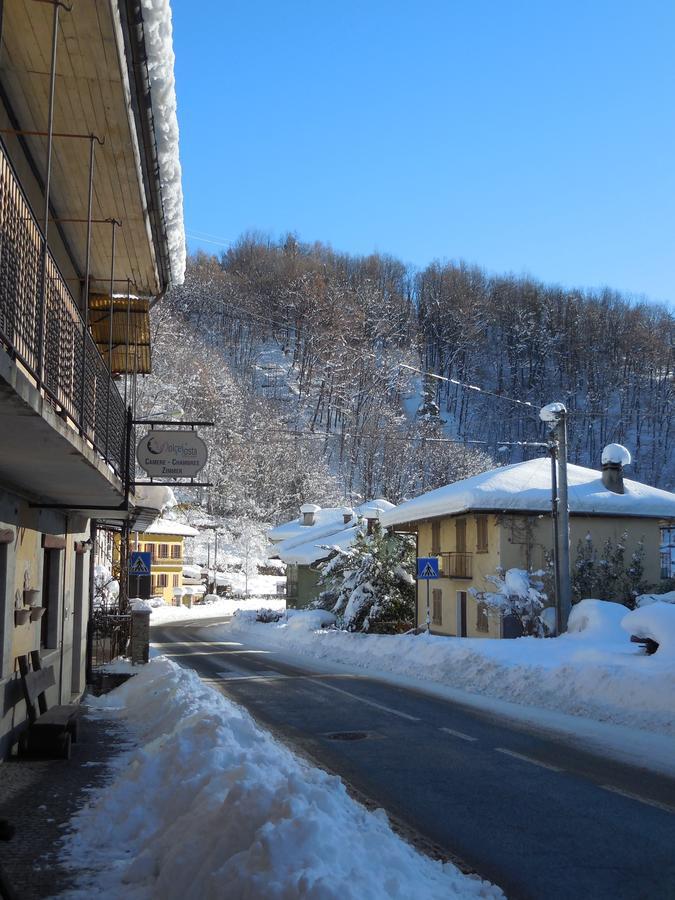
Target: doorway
[(461, 613)]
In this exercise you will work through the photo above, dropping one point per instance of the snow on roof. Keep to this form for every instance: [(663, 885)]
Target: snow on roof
[(325, 521), (155, 496), (315, 550), (617, 454), (158, 34), (527, 486), (302, 544), (382, 505), (170, 526)]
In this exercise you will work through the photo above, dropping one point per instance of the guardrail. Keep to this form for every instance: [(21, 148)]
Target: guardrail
[(46, 333)]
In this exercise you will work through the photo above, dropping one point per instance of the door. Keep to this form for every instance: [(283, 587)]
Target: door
[(461, 613)]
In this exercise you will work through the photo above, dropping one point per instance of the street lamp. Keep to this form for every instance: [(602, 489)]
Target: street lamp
[(555, 416)]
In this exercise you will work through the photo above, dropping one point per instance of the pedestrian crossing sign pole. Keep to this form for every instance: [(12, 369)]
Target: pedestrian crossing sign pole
[(140, 569), (427, 570)]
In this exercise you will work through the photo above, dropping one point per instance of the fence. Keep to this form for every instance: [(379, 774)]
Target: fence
[(46, 333)]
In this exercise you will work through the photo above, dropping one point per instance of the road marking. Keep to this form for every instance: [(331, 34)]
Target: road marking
[(646, 800), (529, 759), (458, 734), (394, 712), (248, 676)]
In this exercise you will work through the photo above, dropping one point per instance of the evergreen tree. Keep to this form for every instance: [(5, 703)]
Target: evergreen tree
[(607, 576), (368, 586)]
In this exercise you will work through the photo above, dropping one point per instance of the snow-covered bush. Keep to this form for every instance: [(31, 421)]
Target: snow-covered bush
[(269, 615), (648, 599), (310, 619), (597, 620), (368, 586), (519, 593), (607, 574)]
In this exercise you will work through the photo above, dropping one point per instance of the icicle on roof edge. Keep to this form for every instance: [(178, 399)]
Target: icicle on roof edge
[(158, 30)]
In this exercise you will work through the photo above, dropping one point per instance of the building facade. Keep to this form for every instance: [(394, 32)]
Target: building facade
[(501, 520), (165, 541), (306, 542), (84, 247)]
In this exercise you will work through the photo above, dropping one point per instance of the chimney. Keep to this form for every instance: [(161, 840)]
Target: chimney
[(372, 516), (347, 514), (614, 458), (309, 511)]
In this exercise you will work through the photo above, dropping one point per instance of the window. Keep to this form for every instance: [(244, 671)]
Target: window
[(176, 551), (51, 591), (437, 607), (163, 551), (161, 581), (481, 534), (150, 548), (435, 538), (460, 535), (176, 579), (482, 621)]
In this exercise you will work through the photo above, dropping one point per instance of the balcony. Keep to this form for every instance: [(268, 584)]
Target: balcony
[(456, 565), (52, 373)]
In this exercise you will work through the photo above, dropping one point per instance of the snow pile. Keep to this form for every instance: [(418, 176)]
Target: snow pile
[(154, 496), (220, 607), (657, 622), (310, 620), (212, 806), (596, 620), (158, 32), (593, 671), (648, 599), (140, 605)]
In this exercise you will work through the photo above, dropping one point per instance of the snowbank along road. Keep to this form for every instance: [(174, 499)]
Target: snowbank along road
[(529, 812)]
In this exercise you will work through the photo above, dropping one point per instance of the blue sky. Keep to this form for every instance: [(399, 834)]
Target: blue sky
[(522, 136)]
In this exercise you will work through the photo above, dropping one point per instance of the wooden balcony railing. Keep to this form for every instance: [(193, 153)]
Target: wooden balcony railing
[(457, 565), (45, 331)]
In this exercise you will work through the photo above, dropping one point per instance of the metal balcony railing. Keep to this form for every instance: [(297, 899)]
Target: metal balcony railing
[(457, 565), (52, 343)]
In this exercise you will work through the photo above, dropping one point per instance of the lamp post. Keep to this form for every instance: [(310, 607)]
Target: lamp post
[(555, 416)]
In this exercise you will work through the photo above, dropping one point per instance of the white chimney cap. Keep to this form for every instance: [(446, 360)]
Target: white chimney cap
[(347, 511), (617, 454), (309, 508), (552, 411), (372, 512)]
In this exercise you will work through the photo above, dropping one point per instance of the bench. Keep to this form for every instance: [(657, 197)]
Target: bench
[(51, 731)]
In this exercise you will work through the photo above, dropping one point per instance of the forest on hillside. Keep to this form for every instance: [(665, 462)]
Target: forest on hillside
[(332, 376)]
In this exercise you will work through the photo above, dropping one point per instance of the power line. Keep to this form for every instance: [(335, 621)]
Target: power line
[(203, 240), (471, 387)]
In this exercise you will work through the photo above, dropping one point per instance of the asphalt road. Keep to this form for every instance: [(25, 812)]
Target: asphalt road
[(536, 816)]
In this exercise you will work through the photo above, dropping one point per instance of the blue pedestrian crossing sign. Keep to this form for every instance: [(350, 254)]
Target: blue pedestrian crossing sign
[(427, 568), (139, 563)]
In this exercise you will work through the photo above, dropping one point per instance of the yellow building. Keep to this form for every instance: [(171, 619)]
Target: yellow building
[(164, 539), (502, 519)]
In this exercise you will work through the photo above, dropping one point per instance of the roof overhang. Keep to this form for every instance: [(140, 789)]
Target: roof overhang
[(101, 89)]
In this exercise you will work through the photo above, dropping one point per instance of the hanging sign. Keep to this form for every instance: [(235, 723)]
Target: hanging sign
[(172, 454)]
